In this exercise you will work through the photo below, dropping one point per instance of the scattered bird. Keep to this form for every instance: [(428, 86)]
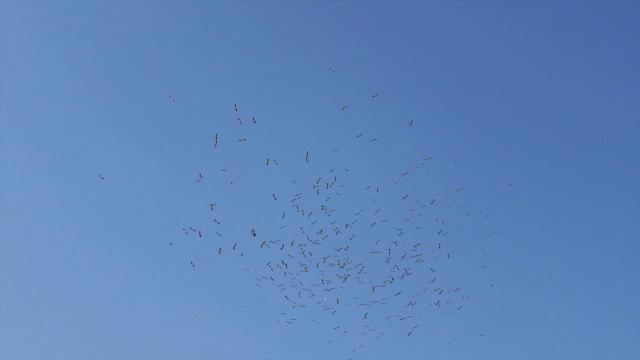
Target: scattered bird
[(344, 107), (172, 99), (101, 177)]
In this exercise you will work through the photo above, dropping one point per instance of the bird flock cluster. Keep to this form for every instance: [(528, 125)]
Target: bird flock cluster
[(357, 256)]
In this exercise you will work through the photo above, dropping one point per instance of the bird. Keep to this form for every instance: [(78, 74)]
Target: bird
[(410, 123), (253, 232), (240, 121), (172, 98), (101, 177), (374, 95), (306, 158), (219, 251), (243, 139), (254, 120), (216, 143), (235, 107), (344, 107), (330, 69), (193, 264)]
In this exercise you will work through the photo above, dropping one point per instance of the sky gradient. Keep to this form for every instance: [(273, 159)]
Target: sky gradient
[(489, 150)]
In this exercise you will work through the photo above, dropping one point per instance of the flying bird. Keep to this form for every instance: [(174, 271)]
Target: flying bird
[(254, 120), (253, 232), (235, 107), (172, 98), (344, 107), (374, 95), (216, 143), (101, 177), (240, 121)]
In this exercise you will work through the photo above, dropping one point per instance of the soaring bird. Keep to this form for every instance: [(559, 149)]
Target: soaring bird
[(344, 107), (253, 232), (374, 95), (235, 106), (172, 98), (101, 177), (254, 120), (216, 143), (240, 121), (193, 264)]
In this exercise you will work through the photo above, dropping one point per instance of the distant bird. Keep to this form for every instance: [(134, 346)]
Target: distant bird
[(216, 143), (243, 139), (330, 69), (172, 98), (219, 251), (240, 121), (306, 158), (359, 135), (274, 197), (344, 107), (199, 233), (101, 177), (193, 264), (433, 201), (374, 95), (410, 123), (235, 107), (253, 232), (267, 162), (254, 120)]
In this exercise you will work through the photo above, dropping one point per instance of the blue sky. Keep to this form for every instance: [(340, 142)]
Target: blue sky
[(520, 119)]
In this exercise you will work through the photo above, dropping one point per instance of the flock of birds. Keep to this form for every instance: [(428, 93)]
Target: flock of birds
[(358, 257)]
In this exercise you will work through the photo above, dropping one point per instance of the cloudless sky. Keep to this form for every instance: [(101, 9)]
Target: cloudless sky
[(484, 175)]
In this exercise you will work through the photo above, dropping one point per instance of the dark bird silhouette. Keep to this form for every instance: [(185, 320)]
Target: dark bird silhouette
[(254, 120), (101, 177), (235, 107), (172, 98), (330, 69), (374, 95), (216, 143), (243, 139), (219, 251), (193, 264), (344, 107), (253, 232), (306, 158), (240, 121)]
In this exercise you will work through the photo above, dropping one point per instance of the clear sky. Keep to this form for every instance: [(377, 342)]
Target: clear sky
[(423, 180)]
